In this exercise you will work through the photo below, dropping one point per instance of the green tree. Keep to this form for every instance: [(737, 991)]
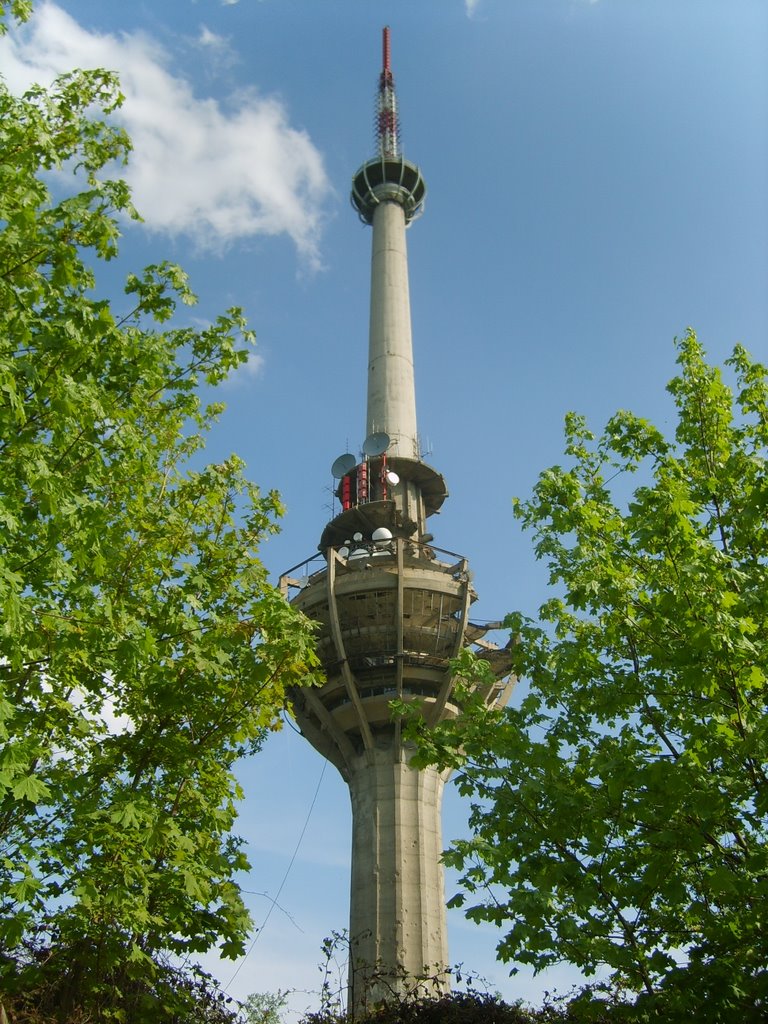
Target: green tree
[(265, 1007), (619, 812), (142, 650)]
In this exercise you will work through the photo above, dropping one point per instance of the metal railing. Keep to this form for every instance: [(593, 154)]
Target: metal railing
[(316, 565)]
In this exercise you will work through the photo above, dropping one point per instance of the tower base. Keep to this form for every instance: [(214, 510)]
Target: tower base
[(398, 943)]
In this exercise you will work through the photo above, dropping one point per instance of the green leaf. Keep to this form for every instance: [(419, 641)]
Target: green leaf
[(31, 789)]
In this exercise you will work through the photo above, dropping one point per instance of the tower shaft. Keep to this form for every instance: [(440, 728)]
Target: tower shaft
[(397, 904), (391, 388)]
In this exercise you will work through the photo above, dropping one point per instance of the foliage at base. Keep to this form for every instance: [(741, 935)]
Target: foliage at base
[(455, 1008), (479, 1008), (57, 991)]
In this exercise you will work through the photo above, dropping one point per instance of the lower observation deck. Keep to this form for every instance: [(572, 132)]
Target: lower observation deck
[(391, 616)]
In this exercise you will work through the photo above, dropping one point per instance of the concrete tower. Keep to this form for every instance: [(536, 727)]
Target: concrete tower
[(392, 610)]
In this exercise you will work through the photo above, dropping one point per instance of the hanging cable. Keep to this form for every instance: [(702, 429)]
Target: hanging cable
[(273, 903)]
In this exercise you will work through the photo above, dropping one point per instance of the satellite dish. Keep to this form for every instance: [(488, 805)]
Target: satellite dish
[(343, 465), (376, 444), (357, 537), (382, 533), (393, 478)]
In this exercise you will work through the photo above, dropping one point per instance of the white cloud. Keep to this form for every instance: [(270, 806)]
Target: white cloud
[(208, 38), (101, 709), (471, 6), (251, 369), (196, 169), (253, 366), (115, 724), (219, 55)]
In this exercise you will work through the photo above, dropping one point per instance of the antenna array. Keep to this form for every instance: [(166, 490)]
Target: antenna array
[(387, 126)]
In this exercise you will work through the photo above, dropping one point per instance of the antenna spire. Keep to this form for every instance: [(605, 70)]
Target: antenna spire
[(387, 127)]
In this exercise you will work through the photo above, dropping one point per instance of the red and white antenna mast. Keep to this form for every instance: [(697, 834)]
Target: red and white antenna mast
[(387, 127)]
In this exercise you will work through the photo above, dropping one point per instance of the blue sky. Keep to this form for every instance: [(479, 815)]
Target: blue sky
[(597, 178)]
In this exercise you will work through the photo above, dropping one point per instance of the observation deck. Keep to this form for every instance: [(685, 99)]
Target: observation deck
[(391, 615), (388, 178)]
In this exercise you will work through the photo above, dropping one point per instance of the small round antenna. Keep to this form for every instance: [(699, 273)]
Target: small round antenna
[(343, 465), (376, 444)]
